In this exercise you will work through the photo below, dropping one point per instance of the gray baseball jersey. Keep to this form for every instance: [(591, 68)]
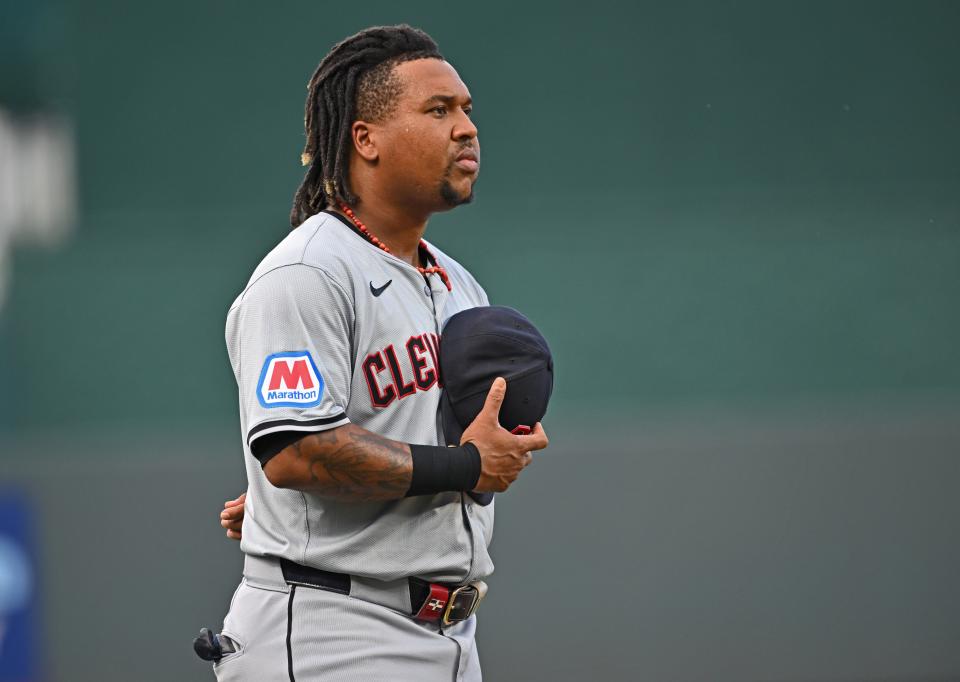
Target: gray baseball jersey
[(329, 330)]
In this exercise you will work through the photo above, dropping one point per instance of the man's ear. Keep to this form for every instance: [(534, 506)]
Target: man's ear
[(364, 140)]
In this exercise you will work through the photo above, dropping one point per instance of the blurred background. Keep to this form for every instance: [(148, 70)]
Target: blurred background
[(738, 224)]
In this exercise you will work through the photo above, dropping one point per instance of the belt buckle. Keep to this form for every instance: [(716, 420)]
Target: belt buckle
[(464, 601)]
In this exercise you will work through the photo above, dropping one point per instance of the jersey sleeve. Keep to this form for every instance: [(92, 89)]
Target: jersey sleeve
[(292, 352)]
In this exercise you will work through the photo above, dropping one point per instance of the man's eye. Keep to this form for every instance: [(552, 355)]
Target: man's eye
[(440, 111), (468, 110)]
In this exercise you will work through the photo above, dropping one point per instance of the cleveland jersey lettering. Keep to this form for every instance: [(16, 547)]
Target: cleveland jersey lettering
[(418, 369)]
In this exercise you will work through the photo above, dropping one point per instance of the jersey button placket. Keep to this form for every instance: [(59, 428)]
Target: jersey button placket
[(438, 293)]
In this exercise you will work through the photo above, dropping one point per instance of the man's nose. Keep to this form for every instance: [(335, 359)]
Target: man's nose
[(465, 128)]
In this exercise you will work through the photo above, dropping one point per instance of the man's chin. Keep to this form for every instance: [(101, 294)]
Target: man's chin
[(453, 197)]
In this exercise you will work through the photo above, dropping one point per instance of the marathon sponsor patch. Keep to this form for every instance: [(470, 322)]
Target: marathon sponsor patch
[(290, 379)]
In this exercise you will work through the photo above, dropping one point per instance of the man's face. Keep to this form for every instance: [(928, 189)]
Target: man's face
[(428, 147)]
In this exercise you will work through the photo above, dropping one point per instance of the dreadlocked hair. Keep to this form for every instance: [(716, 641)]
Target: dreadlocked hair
[(355, 81)]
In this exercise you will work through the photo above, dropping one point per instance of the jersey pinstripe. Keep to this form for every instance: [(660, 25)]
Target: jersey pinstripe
[(331, 330)]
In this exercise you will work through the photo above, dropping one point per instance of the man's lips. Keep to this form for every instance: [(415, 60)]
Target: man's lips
[(467, 160)]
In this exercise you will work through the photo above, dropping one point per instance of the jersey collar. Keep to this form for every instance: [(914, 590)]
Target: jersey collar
[(425, 254)]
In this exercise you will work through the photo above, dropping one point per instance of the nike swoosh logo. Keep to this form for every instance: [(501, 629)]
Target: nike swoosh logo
[(376, 291)]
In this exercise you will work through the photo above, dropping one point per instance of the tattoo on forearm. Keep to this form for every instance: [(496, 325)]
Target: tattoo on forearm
[(351, 463)]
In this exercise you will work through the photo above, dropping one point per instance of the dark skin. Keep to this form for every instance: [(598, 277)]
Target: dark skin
[(421, 159), (351, 463), (399, 164), (231, 517)]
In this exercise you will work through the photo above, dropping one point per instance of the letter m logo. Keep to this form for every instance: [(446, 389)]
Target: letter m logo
[(292, 375), (290, 379)]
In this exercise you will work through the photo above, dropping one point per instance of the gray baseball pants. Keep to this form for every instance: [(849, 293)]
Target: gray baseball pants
[(286, 633)]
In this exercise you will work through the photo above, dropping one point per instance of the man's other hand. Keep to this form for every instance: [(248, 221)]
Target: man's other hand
[(503, 455), (231, 517)]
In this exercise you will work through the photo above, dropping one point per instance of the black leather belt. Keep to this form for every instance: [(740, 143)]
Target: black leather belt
[(442, 602)]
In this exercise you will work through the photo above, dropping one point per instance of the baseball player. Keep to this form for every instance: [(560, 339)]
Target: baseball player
[(480, 344), (364, 551)]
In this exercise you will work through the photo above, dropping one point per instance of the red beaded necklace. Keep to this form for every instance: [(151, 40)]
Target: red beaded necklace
[(379, 244)]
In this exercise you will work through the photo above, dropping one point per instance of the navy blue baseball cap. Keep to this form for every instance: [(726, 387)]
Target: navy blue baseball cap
[(477, 346)]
